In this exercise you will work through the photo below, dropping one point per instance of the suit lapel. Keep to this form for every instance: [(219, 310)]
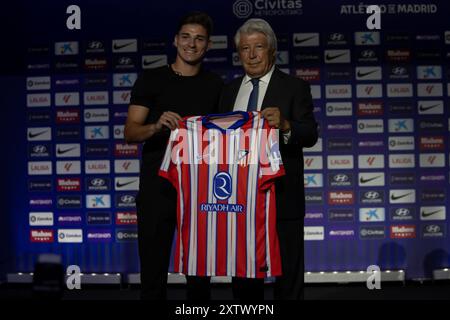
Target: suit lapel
[(234, 90), (274, 86)]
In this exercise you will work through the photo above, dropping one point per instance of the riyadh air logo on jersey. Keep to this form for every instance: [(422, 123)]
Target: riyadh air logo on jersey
[(222, 190), (222, 186)]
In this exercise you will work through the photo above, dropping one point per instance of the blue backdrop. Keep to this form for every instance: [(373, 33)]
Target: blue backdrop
[(377, 182)]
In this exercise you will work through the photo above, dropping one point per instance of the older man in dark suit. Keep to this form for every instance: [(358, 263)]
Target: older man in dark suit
[(286, 103)]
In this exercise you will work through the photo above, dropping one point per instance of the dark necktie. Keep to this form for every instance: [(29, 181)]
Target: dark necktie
[(253, 100)]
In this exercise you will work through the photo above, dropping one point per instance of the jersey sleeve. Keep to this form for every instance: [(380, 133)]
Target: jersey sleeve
[(271, 164), (169, 165)]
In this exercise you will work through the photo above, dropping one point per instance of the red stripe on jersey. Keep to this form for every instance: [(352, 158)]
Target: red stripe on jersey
[(221, 217), (203, 187)]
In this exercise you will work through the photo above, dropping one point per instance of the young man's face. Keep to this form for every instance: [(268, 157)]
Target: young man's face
[(192, 43), (256, 56)]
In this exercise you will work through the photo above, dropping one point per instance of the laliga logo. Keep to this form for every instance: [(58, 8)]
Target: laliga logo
[(222, 185), (242, 8)]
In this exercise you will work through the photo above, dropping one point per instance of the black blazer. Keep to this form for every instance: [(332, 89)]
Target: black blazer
[(293, 97)]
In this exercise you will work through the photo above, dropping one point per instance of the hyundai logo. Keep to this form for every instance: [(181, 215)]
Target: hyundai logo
[(402, 212), (127, 199), (433, 228), (372, 195)]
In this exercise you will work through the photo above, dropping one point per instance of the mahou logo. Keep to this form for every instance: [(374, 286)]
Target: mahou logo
[(68, 184), (68, 116), (370, 109), (432, 143), (340, 198), (126, 150), (126, 218), (42, 236), (403, 232)]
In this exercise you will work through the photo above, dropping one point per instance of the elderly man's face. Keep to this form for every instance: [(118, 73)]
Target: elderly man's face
[(256, 56)]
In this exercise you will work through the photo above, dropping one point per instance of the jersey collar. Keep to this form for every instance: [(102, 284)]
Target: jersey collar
[(207, 123)]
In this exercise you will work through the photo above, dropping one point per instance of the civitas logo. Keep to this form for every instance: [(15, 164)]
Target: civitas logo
[(376, 232), (68, 202), (126, 235), (244, 8)]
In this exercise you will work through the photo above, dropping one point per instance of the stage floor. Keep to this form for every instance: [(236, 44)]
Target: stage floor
[(407, 291)]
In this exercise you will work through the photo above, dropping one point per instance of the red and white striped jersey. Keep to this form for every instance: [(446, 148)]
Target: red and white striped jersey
[(223, 168)]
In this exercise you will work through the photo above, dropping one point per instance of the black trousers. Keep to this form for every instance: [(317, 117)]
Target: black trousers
[(290, 285), (156, 212)]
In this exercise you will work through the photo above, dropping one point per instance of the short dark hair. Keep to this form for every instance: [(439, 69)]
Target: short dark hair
[(197, 17)]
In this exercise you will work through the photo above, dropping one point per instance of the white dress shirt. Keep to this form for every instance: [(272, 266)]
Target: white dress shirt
[(244, 95)]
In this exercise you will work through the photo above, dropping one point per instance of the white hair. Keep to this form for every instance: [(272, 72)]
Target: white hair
[(257, 25)]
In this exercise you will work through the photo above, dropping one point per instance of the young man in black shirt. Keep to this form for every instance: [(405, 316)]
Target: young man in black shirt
[(159, 98)]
